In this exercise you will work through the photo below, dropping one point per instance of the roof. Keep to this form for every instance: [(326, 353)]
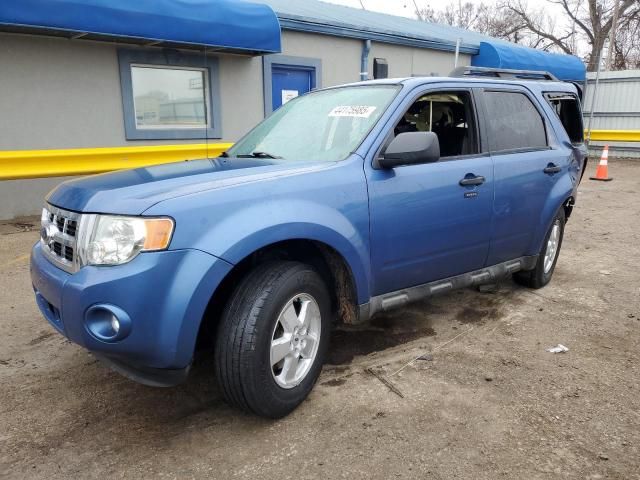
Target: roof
[(322, 17), (226, 25), (327, 18), (412, 82)]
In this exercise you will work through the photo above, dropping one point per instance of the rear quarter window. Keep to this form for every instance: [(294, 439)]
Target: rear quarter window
[(514, 122), (567, 107)]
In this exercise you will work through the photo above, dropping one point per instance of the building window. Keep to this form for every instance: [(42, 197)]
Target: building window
[(169, 95), (169, 98)]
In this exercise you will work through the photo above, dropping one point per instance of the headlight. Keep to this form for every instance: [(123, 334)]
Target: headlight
[(114, 240)]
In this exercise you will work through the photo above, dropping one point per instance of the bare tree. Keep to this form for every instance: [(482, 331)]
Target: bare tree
[(589, 19), (626, 45), (583, 22), (497, 22)]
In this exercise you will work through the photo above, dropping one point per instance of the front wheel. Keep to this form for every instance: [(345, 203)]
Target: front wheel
[(273, 338), (543, 271)]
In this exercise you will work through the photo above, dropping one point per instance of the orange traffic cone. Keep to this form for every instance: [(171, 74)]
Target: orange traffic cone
[(602, 170)]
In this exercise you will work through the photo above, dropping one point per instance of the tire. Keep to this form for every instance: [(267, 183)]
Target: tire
[(268, 299), (543, 271)]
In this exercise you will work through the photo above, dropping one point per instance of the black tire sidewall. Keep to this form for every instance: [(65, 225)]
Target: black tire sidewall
[(542, 277), (264, 393)]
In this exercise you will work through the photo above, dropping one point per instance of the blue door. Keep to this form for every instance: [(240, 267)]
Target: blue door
[(425, 225), (527, 167), (290, 81)]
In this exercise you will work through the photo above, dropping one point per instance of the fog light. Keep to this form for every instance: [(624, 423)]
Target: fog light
[(107, 323)]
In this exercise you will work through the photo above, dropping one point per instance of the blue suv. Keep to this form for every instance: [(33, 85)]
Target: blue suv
[(343, 203)]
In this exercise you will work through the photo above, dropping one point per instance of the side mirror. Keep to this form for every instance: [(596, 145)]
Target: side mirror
[(410, 148)]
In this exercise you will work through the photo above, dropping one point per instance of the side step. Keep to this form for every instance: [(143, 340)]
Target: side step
[(399, 298)]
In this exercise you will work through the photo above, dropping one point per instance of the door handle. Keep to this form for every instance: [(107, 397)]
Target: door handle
[(552, 168), (469, 180)]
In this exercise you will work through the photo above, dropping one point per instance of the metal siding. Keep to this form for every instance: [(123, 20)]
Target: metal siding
[(617, 107)]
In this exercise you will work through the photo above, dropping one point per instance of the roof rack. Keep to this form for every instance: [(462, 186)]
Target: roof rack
[(471, 71)]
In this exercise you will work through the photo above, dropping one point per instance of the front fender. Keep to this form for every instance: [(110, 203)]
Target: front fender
[(328, 206), (258, 226)]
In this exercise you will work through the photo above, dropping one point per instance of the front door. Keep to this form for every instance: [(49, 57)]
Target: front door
[(288, 82), (425, 225)]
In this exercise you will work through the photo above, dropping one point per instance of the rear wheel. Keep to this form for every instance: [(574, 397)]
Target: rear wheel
[(543, 271), (273, 338)]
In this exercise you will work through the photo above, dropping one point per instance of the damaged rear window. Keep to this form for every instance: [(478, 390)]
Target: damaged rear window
[(567, 107)]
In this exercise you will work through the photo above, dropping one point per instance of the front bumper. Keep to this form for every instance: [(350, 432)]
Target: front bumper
[(163, 294)]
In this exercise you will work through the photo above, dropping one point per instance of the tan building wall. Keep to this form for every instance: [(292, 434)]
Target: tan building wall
[(407, 61), (59, 93)]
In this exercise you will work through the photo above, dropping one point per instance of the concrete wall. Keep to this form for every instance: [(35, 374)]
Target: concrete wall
[(340, 56), (25, 197), (57, 93), (406, 61)]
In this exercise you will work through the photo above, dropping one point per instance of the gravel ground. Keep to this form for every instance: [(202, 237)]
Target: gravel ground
[(486, 400)]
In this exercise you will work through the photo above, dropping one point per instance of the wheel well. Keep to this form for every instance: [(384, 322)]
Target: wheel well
[(325, 259)]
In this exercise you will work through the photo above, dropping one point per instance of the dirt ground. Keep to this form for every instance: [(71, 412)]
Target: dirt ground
[(485, 402)]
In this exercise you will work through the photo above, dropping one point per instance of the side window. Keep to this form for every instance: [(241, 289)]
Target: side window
[(514, 122), (567, 107), (449, 115)]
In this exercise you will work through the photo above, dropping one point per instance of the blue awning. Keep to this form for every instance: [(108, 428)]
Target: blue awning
[(511, 56), (227, 25)]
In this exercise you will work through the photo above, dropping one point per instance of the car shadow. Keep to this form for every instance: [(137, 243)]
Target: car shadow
[(97, 399)]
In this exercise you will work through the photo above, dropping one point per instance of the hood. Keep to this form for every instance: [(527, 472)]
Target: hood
[(131, 192)]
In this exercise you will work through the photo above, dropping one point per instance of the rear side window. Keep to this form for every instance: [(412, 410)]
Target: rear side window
[(514, 122), (567, 107)]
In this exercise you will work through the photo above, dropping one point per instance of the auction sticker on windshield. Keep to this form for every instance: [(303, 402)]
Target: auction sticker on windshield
[(361, 111)]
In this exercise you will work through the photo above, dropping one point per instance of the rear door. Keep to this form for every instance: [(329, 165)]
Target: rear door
[(566, 106), (528, 162), (425, 225)]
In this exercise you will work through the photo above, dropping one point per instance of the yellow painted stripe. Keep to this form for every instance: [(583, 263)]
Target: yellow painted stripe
[(615, 135), (82, 161)]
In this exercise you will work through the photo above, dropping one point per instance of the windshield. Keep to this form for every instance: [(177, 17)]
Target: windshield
[(321, 126)]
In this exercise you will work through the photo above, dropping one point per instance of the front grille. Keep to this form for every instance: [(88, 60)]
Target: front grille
[(58, 236)]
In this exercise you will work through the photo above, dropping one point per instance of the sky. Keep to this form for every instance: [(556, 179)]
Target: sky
[(406, 8), (403, 8)]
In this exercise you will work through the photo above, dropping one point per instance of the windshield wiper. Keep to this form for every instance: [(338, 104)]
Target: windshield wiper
[(257, 155)]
